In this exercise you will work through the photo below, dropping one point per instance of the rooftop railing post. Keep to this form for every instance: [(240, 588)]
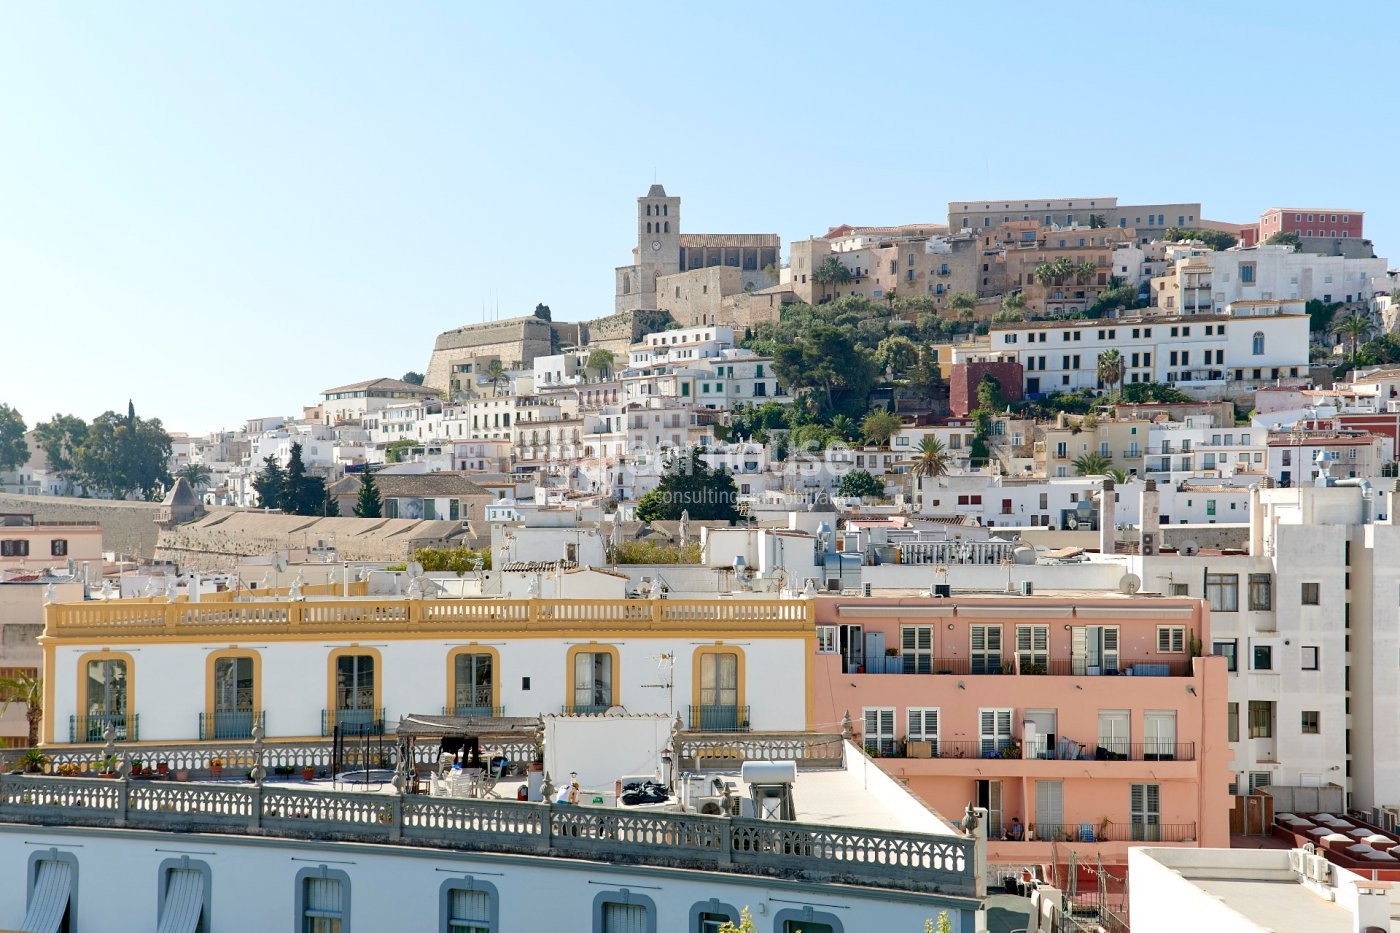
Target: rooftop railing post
[(255, 808), (123, 799)]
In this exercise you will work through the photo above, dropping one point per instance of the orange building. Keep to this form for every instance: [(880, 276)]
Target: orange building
[(1091, 721)]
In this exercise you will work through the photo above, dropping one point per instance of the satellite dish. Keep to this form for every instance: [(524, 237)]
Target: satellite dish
[(1189, 547), (1130, 584), (280, 564)]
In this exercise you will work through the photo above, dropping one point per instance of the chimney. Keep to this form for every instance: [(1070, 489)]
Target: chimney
[(1150, 524), (1108, 538)]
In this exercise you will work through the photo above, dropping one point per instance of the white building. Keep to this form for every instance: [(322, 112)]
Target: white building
[(1206, 282)]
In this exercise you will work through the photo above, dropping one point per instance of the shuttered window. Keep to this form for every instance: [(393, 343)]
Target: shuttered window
[(324, 907), (468, 911), (1171, 639), (182, 908), (922, 725), (986, 649), (1032, 646), (879, 730), (624, 918), (1145, 805), (916, 648), (52, 885), (995, 730), (1093, 649)]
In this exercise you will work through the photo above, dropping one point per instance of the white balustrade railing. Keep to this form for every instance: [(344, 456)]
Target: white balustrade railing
[(867, 857)]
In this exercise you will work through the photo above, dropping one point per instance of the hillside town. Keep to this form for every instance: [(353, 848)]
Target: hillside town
[(911, 571)]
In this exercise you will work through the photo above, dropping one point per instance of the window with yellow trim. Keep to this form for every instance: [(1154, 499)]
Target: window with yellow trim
[(473, 682), (235, 704), (719, 693), (354, 690), (107, 686), (593, 682)]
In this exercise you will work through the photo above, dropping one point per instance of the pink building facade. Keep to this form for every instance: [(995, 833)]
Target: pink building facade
[(1091, 721), (1311, 222)]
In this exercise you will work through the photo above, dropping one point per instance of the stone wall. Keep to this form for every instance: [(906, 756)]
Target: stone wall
[(515, 342), (128, 528), (617, 332)]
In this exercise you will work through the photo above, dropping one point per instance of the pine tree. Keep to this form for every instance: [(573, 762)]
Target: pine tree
[(368, 505), (294, 485), (270, 483)]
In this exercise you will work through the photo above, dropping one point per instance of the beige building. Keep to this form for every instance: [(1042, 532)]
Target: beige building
[(720, 295), (350, 404), (662, 250), (886, 262), (1026, 250), (29, 546), (1149, 221)]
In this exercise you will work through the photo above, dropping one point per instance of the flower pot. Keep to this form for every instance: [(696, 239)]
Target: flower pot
[(162, 768), (182, 775), (217, 771), (308, 773)]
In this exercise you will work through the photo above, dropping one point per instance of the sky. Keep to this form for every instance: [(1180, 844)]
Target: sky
[(220, 210)]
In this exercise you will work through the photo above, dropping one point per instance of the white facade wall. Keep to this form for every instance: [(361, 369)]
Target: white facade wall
[(253, 885), (168, 680), (1280, 273)]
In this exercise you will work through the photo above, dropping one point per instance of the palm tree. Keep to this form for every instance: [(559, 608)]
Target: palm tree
[(1110, 368), (1091, 464), (1044, 274), (1118, 475), (197, 475), (844, 426), (1063, 268), (933, 459), (496, 372), (1354, 326), (831, 272), (1085, 272), (29, 690)]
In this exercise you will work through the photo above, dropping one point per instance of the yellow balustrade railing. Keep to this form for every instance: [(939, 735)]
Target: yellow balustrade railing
[(142, 618)]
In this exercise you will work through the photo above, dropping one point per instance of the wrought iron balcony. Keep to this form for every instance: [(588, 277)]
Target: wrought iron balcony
[(590, 709), (719, 718), (229, 724), (92, 728), (474, 710), (373, 718)]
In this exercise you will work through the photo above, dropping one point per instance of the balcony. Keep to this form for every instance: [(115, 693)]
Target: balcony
[(230, 724), (1113, 832), (93, 728), (712, 718), (1054, 667), (361, 721), (477, 711), (1132, 453), (582, 709), (1007, 749)]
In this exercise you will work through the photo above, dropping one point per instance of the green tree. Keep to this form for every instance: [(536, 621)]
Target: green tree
[(1118, 475), (844, 427), (458, 560), (755, 422), (60, 439), (542, 312), (1138, 393), (831, 272), (413, 377), (600, 362), (496, 372), (829, 362), (1110, 369), (368, 505), (197, 475), (270, 484), (925, 379), (1015, 304), (654, 552), (302, 494), (1091, 464), (989, 397), (1353, 326), (879, 426), (964, 303), (1320, 314), (933, 459), (944, 924), (1085, 272), (1096, 221), (745, 924), (896, 355), (1213, 239), (1285, 238), (29, 690), (14, 452), (861, 483), (394, 452), (123, 455), (688, 485)]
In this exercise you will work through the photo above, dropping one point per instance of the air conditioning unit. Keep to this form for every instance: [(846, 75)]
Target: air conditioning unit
[(1295, 860), (833, 584), (1320, 870)]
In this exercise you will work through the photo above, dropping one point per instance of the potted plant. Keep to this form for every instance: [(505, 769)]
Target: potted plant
[(216, 767), (68, 769), (33, 761), (283, 770), (107, 767), (182, 774), (308, 772), (136, 767), (163, 768)]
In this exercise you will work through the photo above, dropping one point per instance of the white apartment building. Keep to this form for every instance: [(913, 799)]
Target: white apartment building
[(1207, 281), (738, 376), (1297, 458), (680, 347), (1206, 354)]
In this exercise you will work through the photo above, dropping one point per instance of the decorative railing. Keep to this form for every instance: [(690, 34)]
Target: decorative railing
[(584, 709), (228, 724), (331, 616), (486, 710), (809, 852), (1004, 664), (92, 728), (729, 749), (373, 718), (713, 718), (237, 757)]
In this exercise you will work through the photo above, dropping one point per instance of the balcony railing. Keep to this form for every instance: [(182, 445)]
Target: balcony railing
[(719, 718), (226, 724), (1006, 748), (877, 858), (473, 711), (373, 718), (1055, 667), (585, 709), (1113, 832), (93, 728)]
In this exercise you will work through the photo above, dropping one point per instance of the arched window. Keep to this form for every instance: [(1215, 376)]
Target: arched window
[(648, 226), (648, 210), (668, 226), (1258, 343)]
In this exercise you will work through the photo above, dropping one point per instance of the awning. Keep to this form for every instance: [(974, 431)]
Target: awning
[(184, 902), (49, 901)]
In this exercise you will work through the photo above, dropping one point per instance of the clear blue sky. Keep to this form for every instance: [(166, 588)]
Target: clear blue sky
[(219, 210)]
